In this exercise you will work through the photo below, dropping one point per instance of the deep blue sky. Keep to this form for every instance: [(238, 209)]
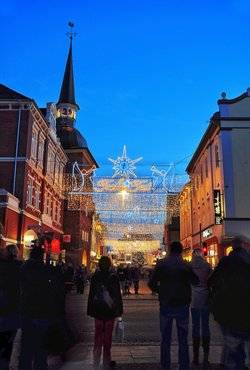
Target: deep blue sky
[(148, 73)]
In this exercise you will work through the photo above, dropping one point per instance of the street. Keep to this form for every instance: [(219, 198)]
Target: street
[(140, 349), (140, 316)]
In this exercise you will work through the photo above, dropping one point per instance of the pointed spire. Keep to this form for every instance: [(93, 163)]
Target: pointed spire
[(67, 94)]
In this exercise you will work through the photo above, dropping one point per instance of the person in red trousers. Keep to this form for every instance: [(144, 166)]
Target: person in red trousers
[(104, 304)]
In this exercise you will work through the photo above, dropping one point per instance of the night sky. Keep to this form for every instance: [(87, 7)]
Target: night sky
[(148, 73)]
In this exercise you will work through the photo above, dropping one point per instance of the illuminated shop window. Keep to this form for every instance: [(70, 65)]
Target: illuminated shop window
[(212, 254)]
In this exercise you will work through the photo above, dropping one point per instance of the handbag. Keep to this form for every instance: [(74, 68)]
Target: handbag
[(58, 338)]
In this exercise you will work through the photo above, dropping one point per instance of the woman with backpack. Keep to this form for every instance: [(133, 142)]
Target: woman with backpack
[(104, 304)]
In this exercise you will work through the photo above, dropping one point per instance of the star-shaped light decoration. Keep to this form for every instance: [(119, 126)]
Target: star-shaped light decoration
[(124, 166)]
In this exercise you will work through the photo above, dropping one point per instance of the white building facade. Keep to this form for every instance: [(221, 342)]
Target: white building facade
[(220, 181)]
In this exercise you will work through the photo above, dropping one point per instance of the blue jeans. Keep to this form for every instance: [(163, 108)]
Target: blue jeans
[(235, 345), (33, 331), (181, 316), (200, 322)]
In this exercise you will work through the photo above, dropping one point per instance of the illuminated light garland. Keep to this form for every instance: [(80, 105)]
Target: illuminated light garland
[(124, 166), (142, 205)]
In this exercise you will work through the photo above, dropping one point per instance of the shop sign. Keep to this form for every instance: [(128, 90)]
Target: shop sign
[(217, 208), (66, 238), (206, 233)]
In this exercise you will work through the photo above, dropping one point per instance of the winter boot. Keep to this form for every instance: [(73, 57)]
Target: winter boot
[(196, 345), (206, 347)]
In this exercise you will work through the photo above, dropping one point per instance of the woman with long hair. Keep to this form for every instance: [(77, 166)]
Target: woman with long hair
[(199, 308)]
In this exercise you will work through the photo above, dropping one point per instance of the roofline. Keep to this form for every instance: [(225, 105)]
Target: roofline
[(213, 126), (87, 150), (235, 100)]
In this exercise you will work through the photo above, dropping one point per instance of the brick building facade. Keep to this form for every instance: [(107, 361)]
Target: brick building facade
[(32, 163)]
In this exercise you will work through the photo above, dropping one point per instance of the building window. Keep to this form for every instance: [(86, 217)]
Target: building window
[(201, 174), (51, 162), (59, 212), (34, 143), (56, 171), (206, 168), (40, 153), (61, 175), (29, 191), (37, 197), (56, 211), (216, 152), (48, 205)]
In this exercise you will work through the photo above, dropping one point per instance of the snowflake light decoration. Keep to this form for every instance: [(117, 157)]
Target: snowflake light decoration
[(124, 166)]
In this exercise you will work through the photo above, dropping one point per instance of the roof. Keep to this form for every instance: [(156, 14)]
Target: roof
[(9, 94), (71, 138), (67, 94), (214, 123)]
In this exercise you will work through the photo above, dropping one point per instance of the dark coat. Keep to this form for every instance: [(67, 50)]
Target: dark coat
[(42, 290), (9, 286), (172, 279), (230, 284), (112, 283), (135, 273), (9, 294)]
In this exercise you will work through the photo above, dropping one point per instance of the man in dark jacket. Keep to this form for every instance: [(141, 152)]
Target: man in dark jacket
[(42, 303), (9, 301), (230, 303), (172, 279)]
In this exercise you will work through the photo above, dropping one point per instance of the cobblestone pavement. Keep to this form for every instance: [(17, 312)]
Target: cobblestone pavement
[(140, 349)]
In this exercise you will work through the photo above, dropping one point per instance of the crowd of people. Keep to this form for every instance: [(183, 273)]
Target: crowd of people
[(224, 292), (32, 298)]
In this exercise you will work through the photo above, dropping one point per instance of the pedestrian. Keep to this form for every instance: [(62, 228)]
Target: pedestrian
[(68, 273), (135, 276), (199, 308), (172, 279), (150, 272), (127, 283), (230, 304), (42, 303), (121, 276), (9, 302), (104, 304), (80, 278)]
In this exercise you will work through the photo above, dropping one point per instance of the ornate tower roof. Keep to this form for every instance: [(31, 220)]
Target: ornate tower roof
[(67, 94), (66, 107)]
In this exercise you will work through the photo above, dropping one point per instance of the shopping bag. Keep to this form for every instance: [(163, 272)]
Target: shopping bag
[(119, 330)]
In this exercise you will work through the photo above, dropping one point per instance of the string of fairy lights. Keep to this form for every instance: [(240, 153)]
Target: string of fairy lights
[(127, 205)]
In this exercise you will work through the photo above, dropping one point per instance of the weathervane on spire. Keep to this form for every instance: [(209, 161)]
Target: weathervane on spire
[(71, 34)]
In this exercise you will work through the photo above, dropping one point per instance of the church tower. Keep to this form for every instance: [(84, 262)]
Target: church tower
[(77, 220)]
